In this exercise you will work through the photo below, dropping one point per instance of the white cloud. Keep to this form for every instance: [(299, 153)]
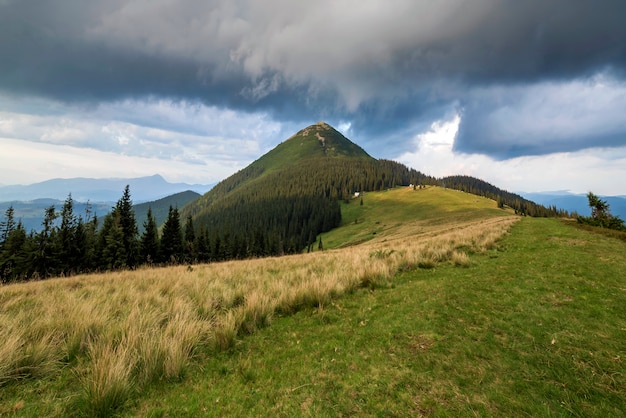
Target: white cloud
[(26, 162), (600, 170), (183, 141)]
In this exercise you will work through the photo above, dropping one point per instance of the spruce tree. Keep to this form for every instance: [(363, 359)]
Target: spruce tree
[(66, 238), (127, 222), (7, 226), (172, 238), (201, 245), (44, 257), (149, 240), (88, 255), (190, 238), (113, 256)]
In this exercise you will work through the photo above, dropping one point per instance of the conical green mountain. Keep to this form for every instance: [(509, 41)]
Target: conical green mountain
[(283, 200), (316, 141)]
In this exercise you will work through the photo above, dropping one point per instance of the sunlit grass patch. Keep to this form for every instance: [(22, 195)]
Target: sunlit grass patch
[(108, 383)]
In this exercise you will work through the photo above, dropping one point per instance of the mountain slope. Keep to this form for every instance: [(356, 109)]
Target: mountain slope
[(283, 200), (160, 207), (316, 144), (406, 213), (316, 141)]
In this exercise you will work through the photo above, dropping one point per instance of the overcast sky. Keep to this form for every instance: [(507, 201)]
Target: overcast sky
[(527, 95)]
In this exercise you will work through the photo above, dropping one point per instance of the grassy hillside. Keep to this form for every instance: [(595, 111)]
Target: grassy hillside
[(534, 328), (405, 211), (442, 312), (281, 202), (316, 141)]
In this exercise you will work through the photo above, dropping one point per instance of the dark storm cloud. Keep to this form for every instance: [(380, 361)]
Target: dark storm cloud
[(385, 66)]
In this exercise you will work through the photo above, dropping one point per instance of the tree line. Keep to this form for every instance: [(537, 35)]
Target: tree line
[(503, 198), (70, 243)]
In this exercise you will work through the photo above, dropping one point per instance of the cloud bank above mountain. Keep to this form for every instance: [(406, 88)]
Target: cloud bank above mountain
[(185, 79)]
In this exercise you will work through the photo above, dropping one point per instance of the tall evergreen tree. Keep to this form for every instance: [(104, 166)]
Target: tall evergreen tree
[(149, 239), (8, 225), (190, 239), (111, 250), (89, 251), (44, 259), (66, 239), (172, 238), (127, 222), (201, 245)]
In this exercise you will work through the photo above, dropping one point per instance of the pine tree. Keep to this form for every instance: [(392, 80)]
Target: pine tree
[(201, 245), (127, 222), (150, 239), (601, 214), (111, 243), (7, 226), (172, 238), (599, 208), (190, 238), (66, 238), (44, 257), (89, 251)]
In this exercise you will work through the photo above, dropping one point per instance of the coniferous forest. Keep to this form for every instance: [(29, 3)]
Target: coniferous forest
[(277, 205)]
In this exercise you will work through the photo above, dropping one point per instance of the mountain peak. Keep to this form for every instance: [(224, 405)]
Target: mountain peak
[(322, 140)]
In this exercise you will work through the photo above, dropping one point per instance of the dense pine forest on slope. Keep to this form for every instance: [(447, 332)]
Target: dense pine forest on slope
[(277, 205), (160, 207)]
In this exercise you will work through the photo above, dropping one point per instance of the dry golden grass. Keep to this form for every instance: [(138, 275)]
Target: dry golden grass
[(124, 330)]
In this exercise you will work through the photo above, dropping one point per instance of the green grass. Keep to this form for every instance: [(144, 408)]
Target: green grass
[(403, 211), (535, 328), (306, 145)]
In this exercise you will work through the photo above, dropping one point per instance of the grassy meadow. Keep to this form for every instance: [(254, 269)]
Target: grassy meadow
[(453, 307)]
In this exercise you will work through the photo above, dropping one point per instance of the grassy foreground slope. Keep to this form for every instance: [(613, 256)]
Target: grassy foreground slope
[(405, 324), (94, 344), (534, 328)]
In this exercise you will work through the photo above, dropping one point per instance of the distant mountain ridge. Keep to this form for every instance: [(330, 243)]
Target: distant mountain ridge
[(577, 202), (31, 213), (143, 189)]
